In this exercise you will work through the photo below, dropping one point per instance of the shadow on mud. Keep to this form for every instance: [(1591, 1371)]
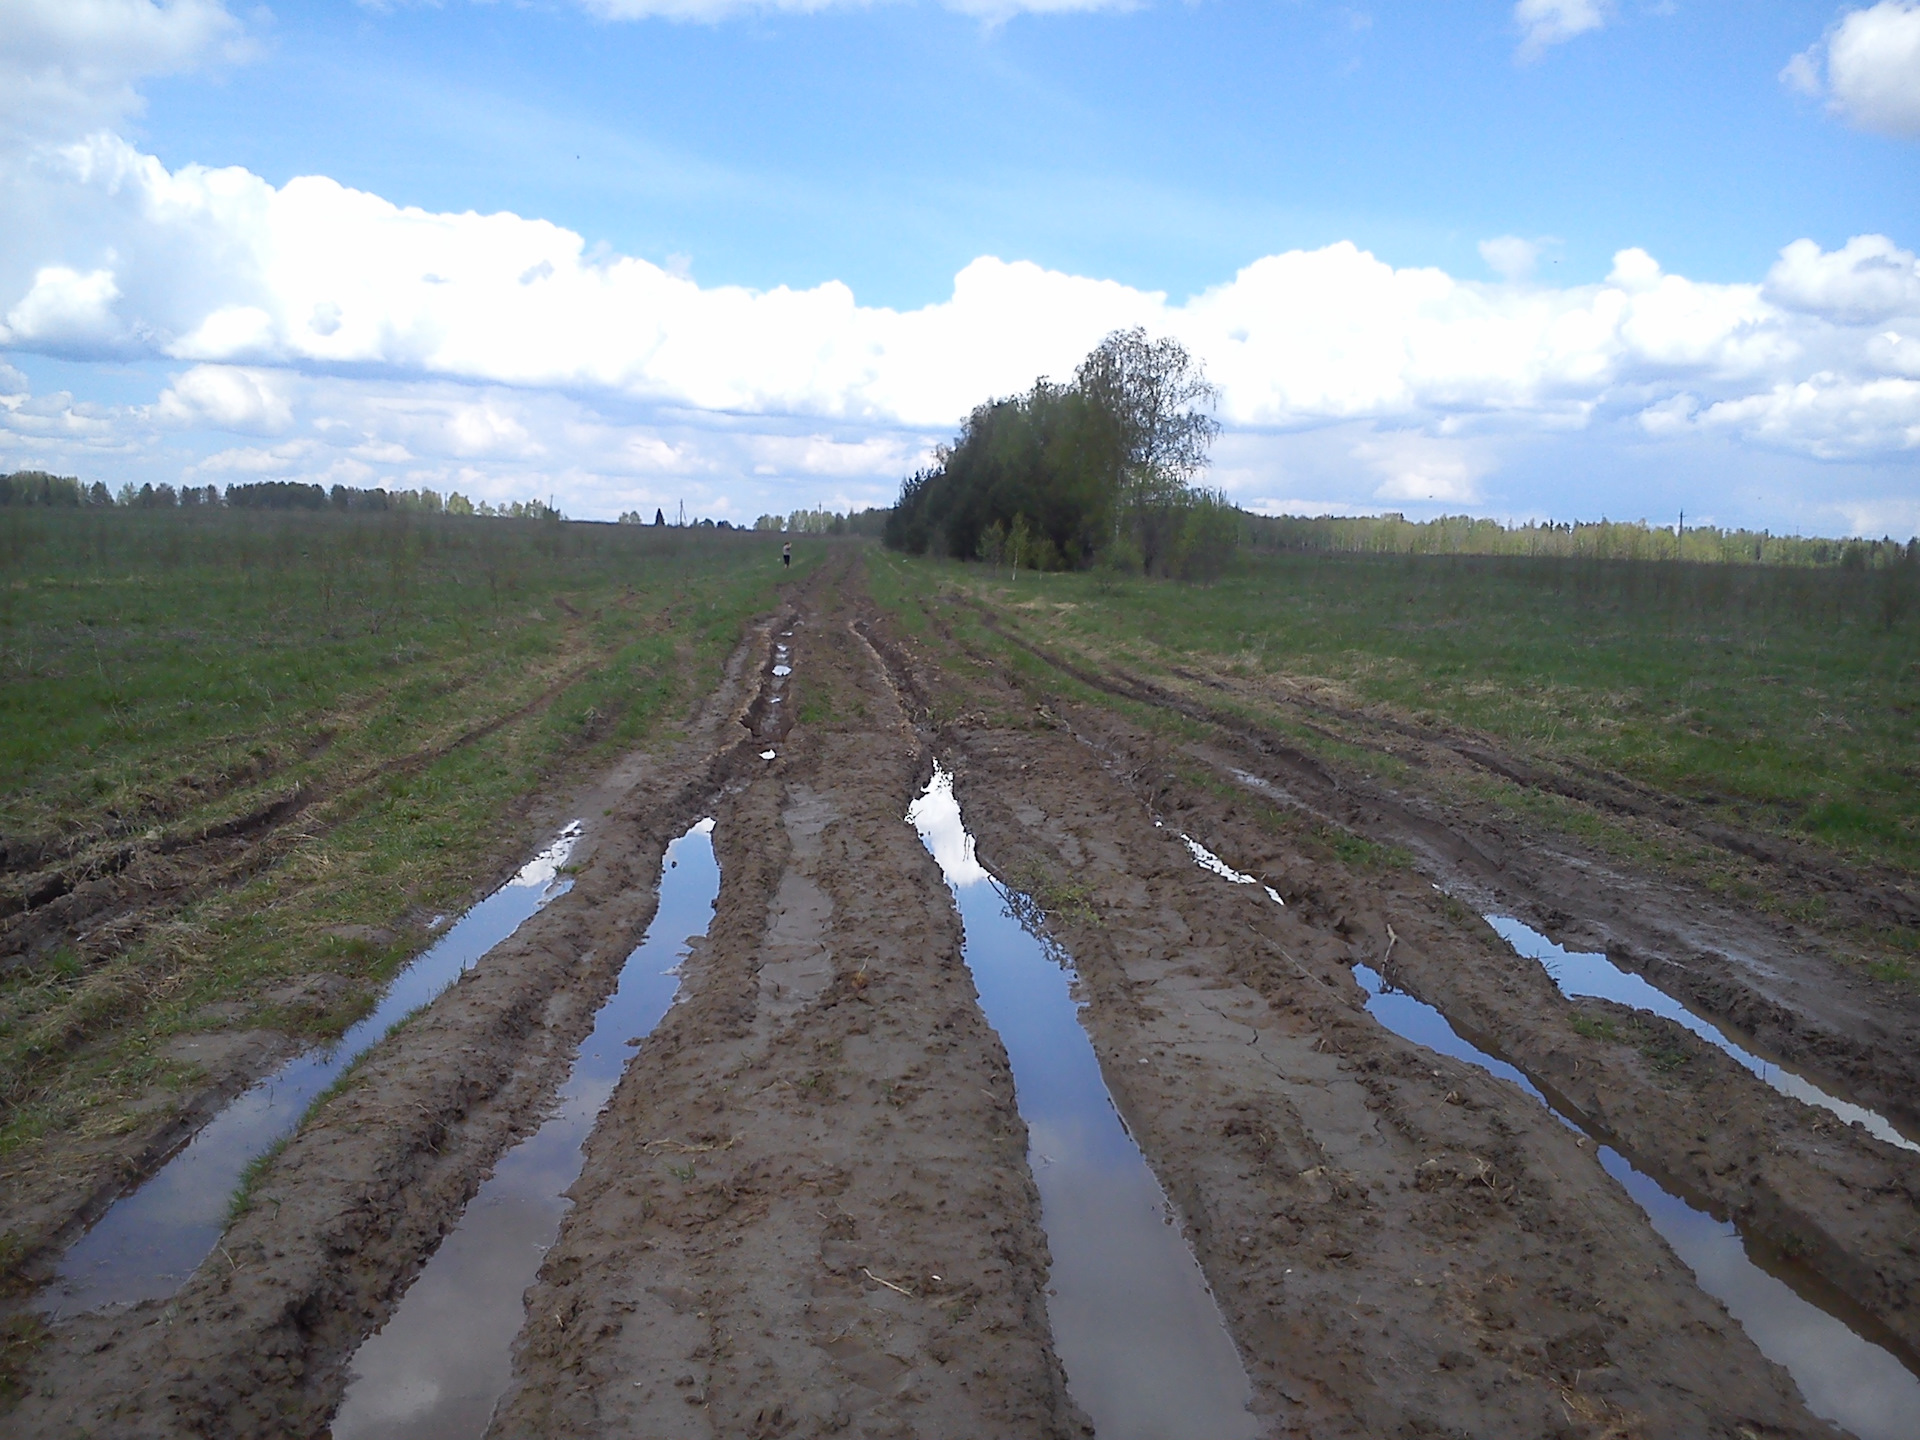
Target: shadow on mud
[(153, 1238), (439, 1365), (1136, 1329)]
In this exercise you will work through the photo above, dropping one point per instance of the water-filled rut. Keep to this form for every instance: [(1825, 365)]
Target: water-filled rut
[(1843, 1375), (440, 1363), (1589, 973), (153, 1238), (1136, 1327)]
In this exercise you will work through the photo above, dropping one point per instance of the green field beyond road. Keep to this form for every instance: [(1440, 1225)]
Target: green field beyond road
[(410, 681), (1785, 697)]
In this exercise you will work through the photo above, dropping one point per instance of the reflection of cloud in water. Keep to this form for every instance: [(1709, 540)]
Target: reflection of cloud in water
[(1137, 1331), (440, 1363), (936, 815), (541, 869)]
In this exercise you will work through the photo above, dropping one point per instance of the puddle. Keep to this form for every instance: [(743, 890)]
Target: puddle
[(153, 1238), (1842, 1376), (1207, 860), (442, 1361), (1134, 1324), (1580, 973)]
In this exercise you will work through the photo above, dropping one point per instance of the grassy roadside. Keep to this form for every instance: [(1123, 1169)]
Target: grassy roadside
[(280, 743), (1780, 702)]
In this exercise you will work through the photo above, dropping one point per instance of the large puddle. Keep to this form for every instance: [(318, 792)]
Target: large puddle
[(1580, 973), (152, 1239), (441, 1362), (1135, 1326)]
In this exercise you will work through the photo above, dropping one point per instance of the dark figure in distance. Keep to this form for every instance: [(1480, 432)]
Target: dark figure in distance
[(786, 554)]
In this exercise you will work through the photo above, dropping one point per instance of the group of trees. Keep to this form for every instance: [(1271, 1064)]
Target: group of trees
[(1099, 472)]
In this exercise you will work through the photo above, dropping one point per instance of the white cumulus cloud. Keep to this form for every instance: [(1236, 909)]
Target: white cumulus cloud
[(1869, 279), (1867, 66), (220, 269), (69, 64), (249, 402), (1546, 23)]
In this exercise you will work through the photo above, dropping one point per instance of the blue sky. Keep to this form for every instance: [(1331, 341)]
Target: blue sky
[(1505, 361)]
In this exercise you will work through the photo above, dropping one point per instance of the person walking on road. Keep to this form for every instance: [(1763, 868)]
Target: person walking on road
[(786, 554)]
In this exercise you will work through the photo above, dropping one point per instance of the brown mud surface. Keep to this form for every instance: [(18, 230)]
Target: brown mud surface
[(1800, 993), (1836, 1207), (807, 1209)]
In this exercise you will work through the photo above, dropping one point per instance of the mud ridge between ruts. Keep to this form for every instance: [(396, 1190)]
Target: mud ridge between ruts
[(806, 1209), (257, 1340), (1835, 1206), (1402, 1245), (1762, 976)]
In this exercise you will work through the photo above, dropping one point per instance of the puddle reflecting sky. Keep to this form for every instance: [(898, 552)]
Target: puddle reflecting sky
[(1842, 1376), (437, 1367), (1207, 860), (151, 1240), (1138, 1332), (1583, 973)]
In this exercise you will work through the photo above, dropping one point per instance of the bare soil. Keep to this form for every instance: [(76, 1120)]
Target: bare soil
[(807, 1208)]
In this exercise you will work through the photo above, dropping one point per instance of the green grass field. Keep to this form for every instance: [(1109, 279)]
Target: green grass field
[(1785, 698), (412, 680)]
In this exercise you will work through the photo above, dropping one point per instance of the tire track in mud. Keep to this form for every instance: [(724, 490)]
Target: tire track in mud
[(807, 1207), (1763, 976), (1402, 1245), (48, 1205), (255, 1344), (1829, 1206)]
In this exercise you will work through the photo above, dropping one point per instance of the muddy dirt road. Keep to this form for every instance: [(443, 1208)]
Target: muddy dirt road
[(809, 1206)]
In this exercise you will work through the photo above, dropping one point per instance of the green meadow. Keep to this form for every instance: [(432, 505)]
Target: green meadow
[(401, 685)]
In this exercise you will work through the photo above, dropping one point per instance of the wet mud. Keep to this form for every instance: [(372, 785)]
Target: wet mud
[(816, 1201), (807, 1209)]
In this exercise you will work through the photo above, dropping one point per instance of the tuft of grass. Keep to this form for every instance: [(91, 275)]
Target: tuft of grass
[(1595, 1027), (241, 1201), (1070, 899)]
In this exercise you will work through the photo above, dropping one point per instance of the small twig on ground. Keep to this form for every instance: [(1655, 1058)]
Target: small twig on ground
[(888, 1283)]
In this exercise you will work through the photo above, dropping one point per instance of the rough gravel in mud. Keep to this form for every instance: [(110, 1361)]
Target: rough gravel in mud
[(256, 1342), (806, 1209)]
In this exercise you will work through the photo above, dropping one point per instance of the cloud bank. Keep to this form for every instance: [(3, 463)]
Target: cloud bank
[(218, 267)]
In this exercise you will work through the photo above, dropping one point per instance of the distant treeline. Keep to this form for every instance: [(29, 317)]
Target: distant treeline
[(36, 487), (1586, 540), (1067, 477), (871, 522)]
